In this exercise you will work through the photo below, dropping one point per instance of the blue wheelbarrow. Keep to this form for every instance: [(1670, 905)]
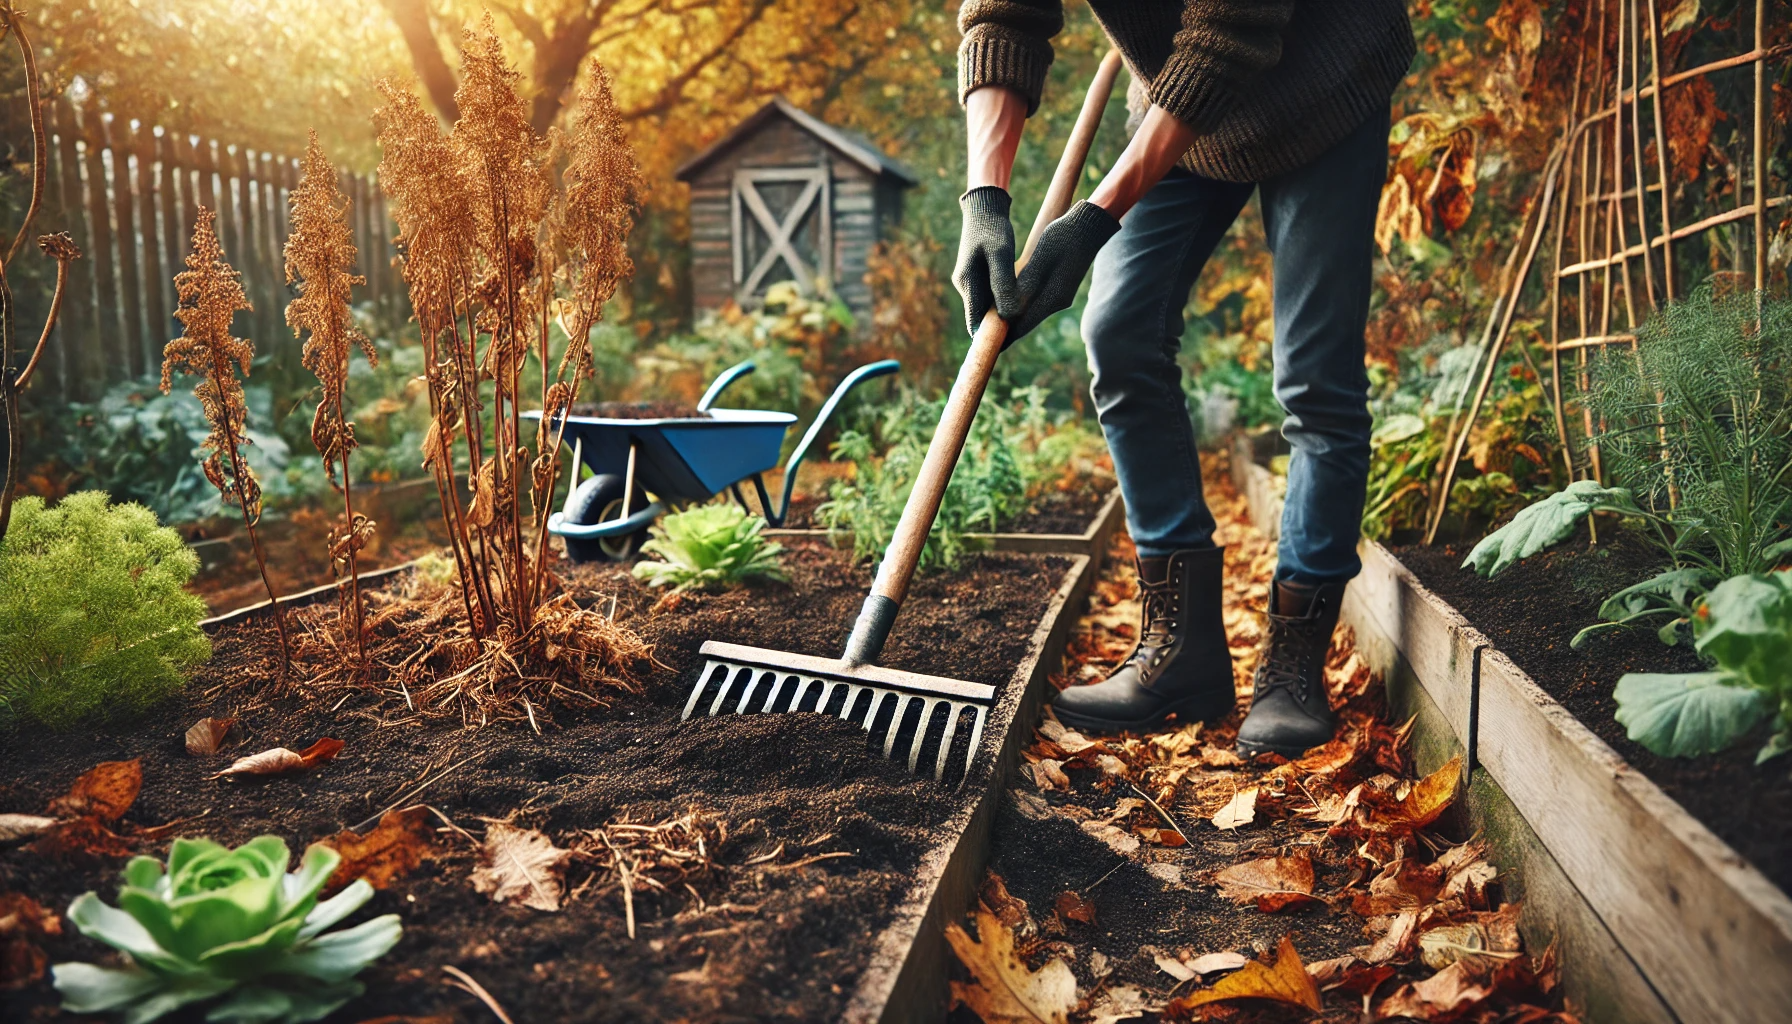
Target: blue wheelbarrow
[(644, 467)]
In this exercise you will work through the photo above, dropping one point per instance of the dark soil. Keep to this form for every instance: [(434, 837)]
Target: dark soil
[(640, 411), (1051, 512), (1533, 610), (763, 942)]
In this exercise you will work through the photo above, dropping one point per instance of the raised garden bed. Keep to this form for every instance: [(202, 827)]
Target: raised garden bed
[(1076, 522), (828, 892), (1656, 916)]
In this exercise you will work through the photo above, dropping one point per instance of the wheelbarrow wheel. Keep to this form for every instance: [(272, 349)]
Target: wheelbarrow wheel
[(599, 500)]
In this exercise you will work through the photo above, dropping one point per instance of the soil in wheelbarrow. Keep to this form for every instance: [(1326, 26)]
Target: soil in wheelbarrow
[(640, 411), (823, 836), (1531, 612), (1054, 511)]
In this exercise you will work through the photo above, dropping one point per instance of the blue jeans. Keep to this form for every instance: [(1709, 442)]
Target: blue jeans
[(1320, 223)]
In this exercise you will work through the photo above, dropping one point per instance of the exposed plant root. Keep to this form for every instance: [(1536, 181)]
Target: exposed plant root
[(423, 659), (634, 857)]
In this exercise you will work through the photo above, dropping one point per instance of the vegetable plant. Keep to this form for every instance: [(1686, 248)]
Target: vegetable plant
[(226, 923), (710, 546), (94, 617), (1699, 429), (1744, 626)]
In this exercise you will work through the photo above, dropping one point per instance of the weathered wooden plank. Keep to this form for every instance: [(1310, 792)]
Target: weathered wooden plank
[(124, 208), (1677, 898), (1434, 638), (149, 212), (256, 267), (108, 333), (187, 154), (174, 220)]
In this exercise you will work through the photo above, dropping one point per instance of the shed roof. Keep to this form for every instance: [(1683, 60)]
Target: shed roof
[(851, 145)]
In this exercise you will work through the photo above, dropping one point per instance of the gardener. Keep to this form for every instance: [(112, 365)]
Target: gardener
[(1288, 98)]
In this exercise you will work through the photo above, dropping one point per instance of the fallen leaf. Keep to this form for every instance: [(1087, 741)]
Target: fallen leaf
[(1324, 972), (401, 841), (105, 792), (1221, 757), (1121, 1002), (14, 827), (22, 921), (1011, 910), (1273, 883), (1431, 795), (1004, 991), (84, 839), (1441, 996), (1118, 839), (1073, 906), (1049, 774), (1398, 932), (523, 865), (1239, 811), (207, 735), (1403, 884), (1334, 755), (1286, 981), (1213, 963), (280, 760), (1162, 836)]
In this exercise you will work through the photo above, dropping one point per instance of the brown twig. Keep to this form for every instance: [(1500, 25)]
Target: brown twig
[(460, 979)]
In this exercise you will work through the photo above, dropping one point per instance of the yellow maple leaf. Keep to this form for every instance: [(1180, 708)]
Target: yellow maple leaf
[(1004, 990)]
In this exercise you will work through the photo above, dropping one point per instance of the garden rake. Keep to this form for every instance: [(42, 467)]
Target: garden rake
[(918, 715)]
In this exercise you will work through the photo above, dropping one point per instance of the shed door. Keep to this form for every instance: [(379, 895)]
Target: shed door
[(782, 228)]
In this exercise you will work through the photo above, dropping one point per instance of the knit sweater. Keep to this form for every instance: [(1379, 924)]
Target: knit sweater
[(1267, 85)]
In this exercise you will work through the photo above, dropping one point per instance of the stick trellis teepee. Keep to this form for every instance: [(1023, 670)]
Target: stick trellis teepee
[(1612, 252)]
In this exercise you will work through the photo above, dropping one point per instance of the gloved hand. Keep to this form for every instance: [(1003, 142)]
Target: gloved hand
[(985, 271), (1050, 279)]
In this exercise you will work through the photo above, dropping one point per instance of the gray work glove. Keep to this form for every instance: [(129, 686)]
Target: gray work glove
[(985, 271), (1050, 279)]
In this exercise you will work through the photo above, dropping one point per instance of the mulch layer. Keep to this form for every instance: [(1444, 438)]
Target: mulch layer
[(770, 933), (1532, 610)]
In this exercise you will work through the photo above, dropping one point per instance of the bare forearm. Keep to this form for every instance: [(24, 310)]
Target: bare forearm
[(994, 118), (1155, 147)]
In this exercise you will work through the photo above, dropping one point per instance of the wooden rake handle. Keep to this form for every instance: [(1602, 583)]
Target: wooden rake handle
[(904, 552)]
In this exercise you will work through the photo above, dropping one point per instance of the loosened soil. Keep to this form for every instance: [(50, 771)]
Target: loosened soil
[(755, 941), (1531, 612), (640, 411)]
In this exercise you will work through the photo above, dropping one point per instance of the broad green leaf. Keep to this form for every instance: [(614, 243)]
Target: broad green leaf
[(1684, 715), (253, 1005), (167, 1000), (1779, 743), (256, 955), (1541, 524), (87, 988), (1674, 588), (1773, 553), (122, 932), (341, 955), (299, 890), (143, 872), (1397, 428), (1746, 625), (337, 907)]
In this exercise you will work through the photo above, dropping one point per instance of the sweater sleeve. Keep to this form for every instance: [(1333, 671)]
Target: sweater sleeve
[(1222, 46), (1007, 43)]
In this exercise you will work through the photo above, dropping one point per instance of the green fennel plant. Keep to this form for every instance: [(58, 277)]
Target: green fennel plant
[(94, 617), (708, 547), (1699, 429), (232, 923), (1744, 626)]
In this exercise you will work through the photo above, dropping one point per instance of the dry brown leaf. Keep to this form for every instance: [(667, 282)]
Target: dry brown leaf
[(14, 827), (1431, 795), (83, 840), (1118, 839), (1273, 883), (280, 760), (1004, 991), (1121, 1002), (1010, 909), (1074, 906), (1221, 757), (1441, 996), (1285, 981), (22, 921), (523, 865), (1393, 940), (1239, 811), (1049, 774), (401, 841), (105, 792), (207, 735)]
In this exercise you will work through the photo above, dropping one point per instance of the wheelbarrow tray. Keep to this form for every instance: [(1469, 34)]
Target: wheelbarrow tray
[(683, 459)]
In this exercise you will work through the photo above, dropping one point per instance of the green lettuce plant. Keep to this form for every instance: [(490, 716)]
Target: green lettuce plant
[(1699, 428), (708, 547), (226, 923), (1744, 626), (95, 620)]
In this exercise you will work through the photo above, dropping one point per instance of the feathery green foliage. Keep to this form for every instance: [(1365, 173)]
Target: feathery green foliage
[(708, 547), (1699, 431), (220, 921), (1011, 448), (94, 619)]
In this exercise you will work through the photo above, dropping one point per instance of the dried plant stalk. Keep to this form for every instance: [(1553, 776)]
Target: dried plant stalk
[(498, 248), (320, 258), (211, 294), (59, 247)]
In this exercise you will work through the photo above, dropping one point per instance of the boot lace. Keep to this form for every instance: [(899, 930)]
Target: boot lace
[(1288, 661), (1160, 611)]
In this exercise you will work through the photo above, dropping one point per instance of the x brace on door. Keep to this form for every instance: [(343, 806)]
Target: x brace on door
[(779, 232)]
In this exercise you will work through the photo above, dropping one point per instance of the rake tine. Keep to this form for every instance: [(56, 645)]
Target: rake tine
[(902, 703), (771, 699), (802, 687), (697, 691), (746, 692), (734, 672), (877, 702), (971, 752), (939, 763), (914, 749)]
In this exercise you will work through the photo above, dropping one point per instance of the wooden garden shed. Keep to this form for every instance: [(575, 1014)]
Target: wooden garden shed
[(785, 196)]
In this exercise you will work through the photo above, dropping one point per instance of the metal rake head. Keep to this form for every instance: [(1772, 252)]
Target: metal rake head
[(932, 721)]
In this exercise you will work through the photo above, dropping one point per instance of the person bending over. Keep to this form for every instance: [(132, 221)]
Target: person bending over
[(1286, 98)]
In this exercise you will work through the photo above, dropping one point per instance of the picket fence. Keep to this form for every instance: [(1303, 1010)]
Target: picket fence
[(128, 193)]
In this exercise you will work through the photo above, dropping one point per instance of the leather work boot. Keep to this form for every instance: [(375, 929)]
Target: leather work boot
[(1181, 666), (1290, 713)]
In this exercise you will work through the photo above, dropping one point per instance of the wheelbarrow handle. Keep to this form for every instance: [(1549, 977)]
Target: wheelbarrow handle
[(720, 384), (881, 368)]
